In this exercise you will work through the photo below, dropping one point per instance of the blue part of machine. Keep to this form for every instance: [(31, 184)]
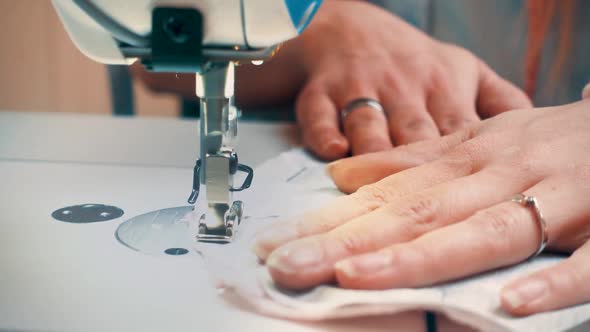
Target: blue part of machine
[(302, 11)]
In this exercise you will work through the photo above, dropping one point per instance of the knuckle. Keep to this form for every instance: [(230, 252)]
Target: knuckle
[(356, 84), (421, 210), (309, 92), (317, 131), (313, 88), (453, 122), (470, 133), (439, 80), (353, 243), (415, 124), (394, 83), (449, 142), (460, 165), (411, 129), (458, 50), (457, 163), (372, 196), (404, 110), (467, 150), (469, 59), (499, 223), (469, 153), (391, 80)]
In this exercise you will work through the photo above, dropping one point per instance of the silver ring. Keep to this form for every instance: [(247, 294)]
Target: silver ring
[(531, 202), (358, 103)]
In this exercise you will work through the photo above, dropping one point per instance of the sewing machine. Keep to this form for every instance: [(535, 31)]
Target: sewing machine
[(206, 37)]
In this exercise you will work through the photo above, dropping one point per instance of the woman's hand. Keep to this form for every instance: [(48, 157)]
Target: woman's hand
[(354, 49), (451, 216)]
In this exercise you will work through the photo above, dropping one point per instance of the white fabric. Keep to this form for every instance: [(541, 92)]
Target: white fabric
[(293, 182)]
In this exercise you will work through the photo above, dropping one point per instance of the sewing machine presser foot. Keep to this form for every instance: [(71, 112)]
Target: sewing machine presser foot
[(220, 223)]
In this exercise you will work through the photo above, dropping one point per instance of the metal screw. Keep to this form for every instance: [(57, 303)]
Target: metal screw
[(175, 28)]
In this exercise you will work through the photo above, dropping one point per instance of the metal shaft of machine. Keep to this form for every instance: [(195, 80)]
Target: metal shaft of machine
[(215, 88)]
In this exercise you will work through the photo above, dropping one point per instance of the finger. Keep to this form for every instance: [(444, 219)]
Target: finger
[(318, 119), (310, 261), (408, 118), (366, 129), (452, 110), (361, 202), (502, 235), (586, 92), (559, 286), (349, 174), (497, 95)]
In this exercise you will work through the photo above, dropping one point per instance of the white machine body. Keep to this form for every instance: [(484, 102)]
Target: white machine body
[(244, 23)]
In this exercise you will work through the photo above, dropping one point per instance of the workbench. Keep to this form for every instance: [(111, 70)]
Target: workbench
[(58, 276)]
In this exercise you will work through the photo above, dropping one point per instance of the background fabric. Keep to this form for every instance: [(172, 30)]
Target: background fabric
[(496, 31)]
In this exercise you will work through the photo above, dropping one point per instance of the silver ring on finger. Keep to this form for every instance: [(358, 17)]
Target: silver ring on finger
[(360, 103), (532, 203)]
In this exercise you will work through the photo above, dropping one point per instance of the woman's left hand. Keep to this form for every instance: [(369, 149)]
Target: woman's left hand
[(446, 213)]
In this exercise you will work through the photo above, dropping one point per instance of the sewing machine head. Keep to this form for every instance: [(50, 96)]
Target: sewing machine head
[(210, 29), (204, 37)]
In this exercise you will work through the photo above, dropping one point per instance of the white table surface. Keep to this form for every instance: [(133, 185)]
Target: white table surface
[(57, 276)]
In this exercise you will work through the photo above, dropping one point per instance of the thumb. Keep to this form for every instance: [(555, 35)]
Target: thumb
[(497, 95), (564, 284), (352, 173)]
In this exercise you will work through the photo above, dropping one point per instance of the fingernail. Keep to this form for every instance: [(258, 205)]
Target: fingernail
[(516, 297), (273, 237), (366, 264), (296, 256)]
